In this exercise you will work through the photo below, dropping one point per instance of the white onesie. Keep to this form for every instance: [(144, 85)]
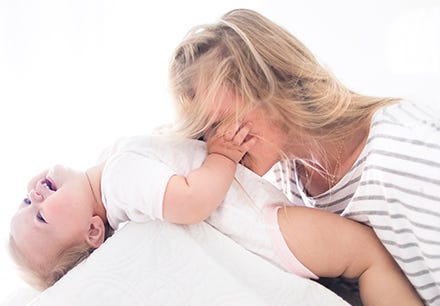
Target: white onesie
[(136, 174)]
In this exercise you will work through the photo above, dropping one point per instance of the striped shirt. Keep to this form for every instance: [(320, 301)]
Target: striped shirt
[(394, 186)]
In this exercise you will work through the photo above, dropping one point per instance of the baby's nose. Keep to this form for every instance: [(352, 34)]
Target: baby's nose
[(35, 196)]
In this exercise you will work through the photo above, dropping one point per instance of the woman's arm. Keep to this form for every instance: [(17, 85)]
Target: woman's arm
[(192, 198)]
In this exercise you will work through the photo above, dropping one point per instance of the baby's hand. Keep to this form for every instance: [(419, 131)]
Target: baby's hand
[(233, 143)]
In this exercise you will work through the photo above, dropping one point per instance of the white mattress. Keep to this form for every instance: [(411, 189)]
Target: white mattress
[(158, 263)]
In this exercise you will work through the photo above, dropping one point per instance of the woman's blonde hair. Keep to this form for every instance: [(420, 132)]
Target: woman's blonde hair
[(265, 66), (43, 276)]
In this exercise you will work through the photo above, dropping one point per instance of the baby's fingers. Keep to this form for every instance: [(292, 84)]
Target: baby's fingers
[(248, 143), (242, 133)]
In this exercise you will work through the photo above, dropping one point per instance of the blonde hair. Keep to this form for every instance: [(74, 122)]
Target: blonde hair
[(265, 66), (43, 276)]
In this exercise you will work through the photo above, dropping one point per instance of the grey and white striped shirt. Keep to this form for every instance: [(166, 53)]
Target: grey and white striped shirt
[(394, 186)]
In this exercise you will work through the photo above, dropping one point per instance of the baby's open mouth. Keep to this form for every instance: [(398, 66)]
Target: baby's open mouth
[(49, 184)]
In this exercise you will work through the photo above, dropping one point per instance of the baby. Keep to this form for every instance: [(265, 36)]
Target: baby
[(67, 213)]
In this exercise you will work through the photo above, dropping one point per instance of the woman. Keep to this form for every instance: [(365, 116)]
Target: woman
[(375, 160)]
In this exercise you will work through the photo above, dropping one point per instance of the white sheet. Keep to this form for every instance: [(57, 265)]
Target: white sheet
[(158, 263)]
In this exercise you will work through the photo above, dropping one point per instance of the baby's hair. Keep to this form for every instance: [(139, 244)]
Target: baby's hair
[(41, 277)]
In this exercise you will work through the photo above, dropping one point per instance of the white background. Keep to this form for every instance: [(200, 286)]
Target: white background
[(77, 74)]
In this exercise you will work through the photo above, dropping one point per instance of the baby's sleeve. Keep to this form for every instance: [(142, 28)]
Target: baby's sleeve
[(133, 188)]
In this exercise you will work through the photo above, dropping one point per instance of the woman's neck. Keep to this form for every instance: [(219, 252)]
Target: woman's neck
[(334, 162)]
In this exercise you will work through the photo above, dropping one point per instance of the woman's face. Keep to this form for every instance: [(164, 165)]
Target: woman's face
[(270, 139)]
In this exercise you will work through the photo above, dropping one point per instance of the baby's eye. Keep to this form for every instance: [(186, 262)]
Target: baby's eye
[(40, 218), (27, 201)]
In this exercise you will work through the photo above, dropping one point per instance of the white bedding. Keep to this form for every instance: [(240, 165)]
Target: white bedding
[(158, 263)]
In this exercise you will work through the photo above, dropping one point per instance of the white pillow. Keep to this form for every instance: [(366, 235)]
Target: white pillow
[(158, 263)]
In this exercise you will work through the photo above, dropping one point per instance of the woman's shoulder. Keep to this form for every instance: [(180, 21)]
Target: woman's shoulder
[(407, 114), (405, 126)]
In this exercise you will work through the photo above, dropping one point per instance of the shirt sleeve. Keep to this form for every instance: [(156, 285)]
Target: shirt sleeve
[(133, 188)]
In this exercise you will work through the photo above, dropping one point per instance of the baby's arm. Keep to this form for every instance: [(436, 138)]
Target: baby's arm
[(192, 198), (331, 245)]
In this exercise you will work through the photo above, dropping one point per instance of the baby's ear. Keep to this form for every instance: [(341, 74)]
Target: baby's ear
[(96, 234)]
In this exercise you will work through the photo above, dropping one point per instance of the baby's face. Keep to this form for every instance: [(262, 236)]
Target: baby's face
[(53, 215)]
